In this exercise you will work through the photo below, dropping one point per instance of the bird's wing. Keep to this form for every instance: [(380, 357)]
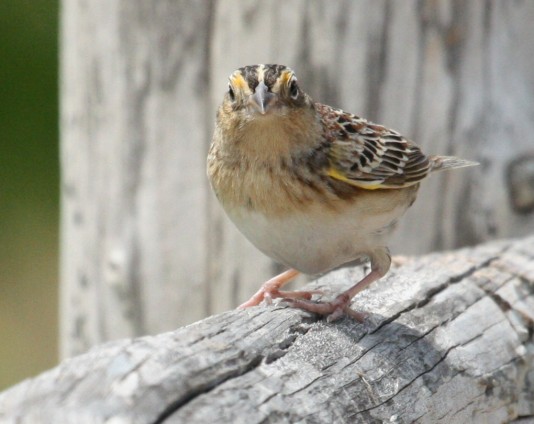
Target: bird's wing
[(370, 156)]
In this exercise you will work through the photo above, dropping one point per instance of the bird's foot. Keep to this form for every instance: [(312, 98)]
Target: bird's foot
[(333, 310), (271, 290), (268, 294)]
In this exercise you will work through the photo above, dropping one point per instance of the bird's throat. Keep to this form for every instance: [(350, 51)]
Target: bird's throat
[(273, 136)]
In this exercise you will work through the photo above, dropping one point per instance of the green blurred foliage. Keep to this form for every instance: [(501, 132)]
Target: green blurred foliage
[(29, 186)]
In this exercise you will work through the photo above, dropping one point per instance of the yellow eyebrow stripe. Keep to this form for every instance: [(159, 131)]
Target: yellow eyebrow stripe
[(238, 81), (286, 76)]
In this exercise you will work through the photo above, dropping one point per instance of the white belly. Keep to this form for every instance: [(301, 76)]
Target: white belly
[(317, 240)]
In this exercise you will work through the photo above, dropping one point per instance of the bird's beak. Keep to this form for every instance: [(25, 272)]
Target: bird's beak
[(262, 99)]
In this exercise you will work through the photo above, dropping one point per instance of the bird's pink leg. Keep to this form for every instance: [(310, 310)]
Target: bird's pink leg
[(380, 263), (271, 290), (341, 304)]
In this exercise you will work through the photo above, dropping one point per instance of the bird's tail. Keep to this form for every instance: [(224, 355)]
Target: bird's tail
[(440, 163)]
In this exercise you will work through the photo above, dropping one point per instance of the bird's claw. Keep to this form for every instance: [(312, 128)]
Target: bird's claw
[(267, 295), (333, 310)]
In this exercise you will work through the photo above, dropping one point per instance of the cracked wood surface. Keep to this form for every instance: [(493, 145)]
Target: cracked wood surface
[(449, 339)]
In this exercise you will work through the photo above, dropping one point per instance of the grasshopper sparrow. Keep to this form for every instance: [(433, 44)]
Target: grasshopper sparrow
[(311, 186)]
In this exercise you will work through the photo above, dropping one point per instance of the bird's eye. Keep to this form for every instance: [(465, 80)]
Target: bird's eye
[(294, 89), (231, 92)]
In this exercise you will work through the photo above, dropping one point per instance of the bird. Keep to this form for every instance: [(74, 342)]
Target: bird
[(311, 186)]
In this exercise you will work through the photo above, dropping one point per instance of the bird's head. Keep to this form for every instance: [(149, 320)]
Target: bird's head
[(263, 91), (265, 114)]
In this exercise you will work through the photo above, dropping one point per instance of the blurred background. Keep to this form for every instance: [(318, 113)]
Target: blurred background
[(29, 188)]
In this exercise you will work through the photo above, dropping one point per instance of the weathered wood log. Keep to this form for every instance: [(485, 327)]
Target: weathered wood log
[(449, 339), (145, 246)]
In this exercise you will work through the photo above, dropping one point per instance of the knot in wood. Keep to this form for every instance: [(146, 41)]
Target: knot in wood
[(520, 180)]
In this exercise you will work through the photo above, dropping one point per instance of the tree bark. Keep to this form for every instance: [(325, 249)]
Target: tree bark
[(449, 338), (145, 245)]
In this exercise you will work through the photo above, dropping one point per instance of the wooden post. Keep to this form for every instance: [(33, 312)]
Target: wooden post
[(135, 130), (145, 247)]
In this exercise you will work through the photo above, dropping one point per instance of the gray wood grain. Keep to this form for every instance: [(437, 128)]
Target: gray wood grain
[(144, 244), (449, 339), (135, 135)]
